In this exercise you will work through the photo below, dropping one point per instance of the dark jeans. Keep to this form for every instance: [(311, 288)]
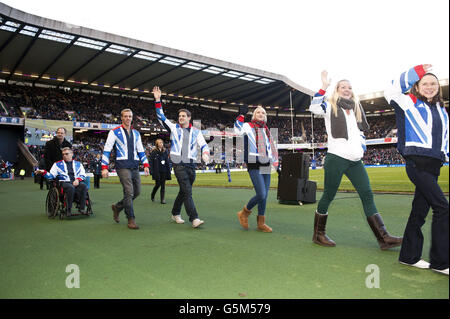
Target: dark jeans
[(185, 176), (160, 182), (427, 194), (131, 183), (335, 167), (70, 191), (43, 180), (261, 182), (97, 180)]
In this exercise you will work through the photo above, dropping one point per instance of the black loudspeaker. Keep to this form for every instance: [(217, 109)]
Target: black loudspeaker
[(295, 165), (296, 190)]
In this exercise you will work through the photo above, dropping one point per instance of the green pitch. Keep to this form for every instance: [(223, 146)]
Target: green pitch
[(220, 260), (383, 179)]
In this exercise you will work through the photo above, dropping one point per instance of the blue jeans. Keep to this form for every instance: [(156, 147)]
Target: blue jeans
[(428, 194), (131, 183), (261, 182)]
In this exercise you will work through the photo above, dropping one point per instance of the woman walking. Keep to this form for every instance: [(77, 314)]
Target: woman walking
[(344, 121), (423, 130), (159, 169), (259, 152)]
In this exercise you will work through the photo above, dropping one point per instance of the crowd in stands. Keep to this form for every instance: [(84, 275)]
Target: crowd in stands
[(74, 105)]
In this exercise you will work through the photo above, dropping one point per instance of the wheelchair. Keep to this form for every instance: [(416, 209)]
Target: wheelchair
[(56, 203)]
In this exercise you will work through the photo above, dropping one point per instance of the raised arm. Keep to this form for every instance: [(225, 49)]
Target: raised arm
[(398, 87), (318, 105), (167, 124)]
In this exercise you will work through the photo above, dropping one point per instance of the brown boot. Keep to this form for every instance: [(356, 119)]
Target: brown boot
[(243, 217), (385, 240), (132, 224), (115, 213), (320, 237), (262, 225)]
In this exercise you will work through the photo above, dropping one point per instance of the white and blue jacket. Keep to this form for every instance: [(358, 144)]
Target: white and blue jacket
[(422, 128), (247, 129), (118, 138), (176, 136), (59, 171)]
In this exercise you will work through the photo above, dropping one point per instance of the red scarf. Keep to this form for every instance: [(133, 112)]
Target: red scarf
[(260, 141)]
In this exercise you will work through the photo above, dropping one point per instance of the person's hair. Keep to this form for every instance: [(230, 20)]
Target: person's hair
[(61, 128), (335, 97), (66, 149), (156, 145), (124, 111), (437, 98), (185, 111), (259, 108)]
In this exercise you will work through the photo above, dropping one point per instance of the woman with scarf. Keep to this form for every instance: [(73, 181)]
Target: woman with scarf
[(423, 128), (344, 121), (259, 152), (159, 168)]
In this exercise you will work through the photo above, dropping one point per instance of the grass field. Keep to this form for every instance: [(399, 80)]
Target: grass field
[(383, 179), (164, 260)]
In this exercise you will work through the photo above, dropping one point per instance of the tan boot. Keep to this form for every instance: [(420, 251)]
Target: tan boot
[(243, 217), (132, 224), (115, 213), (320, 237), (385, 240), (261, 219)]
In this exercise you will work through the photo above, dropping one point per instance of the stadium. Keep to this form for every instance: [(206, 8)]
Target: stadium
[(53, 74)]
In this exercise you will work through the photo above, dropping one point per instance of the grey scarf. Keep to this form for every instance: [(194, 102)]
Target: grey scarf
[(338, 123)]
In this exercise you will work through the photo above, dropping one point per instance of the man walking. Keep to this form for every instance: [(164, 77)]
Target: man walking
[(129, 150), (184, 138)]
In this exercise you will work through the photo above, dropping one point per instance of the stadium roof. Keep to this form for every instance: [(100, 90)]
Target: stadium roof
[(42, 50)]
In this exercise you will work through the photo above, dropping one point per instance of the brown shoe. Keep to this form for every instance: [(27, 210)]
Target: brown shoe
[(261, 219), (132, 224), (115, 213), (243, 217), (385, 240), (320, 237)]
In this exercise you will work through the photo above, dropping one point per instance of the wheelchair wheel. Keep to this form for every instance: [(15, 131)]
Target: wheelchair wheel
[(52, 202)]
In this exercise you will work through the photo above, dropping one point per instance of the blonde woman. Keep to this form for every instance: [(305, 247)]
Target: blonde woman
[(259, 152), (159, 169), (344, 121)]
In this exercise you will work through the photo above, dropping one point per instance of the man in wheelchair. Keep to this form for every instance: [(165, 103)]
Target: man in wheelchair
[(70, 174)]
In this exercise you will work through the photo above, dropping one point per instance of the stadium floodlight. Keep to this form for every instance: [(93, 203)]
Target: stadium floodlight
[(214, 70), (56, 36), (249, 77), (29, 30), (172, 61), (233, 74), (114, 48), (10, 26), (194, 66), (89, 43), (148, 56)]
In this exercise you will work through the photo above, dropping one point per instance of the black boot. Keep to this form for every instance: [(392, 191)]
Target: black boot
[(385, 240), (153, 195), (320, 237), (162, 197)]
